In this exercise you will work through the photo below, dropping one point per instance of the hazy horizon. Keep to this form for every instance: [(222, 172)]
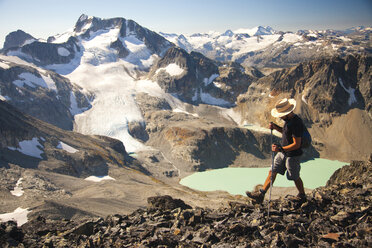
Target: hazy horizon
[(43, 18)]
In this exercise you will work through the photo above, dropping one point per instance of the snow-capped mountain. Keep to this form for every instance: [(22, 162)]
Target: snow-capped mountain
[(256, 31), (109, 59), (265, 47), (116, 62), (104, 57)]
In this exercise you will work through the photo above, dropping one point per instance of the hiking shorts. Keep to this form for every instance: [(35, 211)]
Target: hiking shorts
[(289, 164)]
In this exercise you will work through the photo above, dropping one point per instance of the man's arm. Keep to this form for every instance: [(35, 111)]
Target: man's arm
[(294, 146), (276, 127), (291, 147)]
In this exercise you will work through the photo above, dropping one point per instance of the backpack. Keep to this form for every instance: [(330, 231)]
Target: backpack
[(306, 138)]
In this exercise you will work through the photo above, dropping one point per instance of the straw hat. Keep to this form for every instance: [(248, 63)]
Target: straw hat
[(283, 107)]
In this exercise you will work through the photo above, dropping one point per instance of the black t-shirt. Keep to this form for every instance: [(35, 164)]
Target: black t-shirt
[(292, 128)]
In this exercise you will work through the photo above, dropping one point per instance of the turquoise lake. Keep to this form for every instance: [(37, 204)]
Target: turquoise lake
[(236, 181)]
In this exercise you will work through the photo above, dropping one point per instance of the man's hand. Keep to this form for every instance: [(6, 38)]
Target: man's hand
[(277, 148), (272, 125)]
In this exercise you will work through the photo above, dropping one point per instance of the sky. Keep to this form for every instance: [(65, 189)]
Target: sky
[(44, 18)]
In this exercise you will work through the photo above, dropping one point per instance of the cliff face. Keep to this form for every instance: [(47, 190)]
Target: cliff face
[(333, 96), (338, 215)]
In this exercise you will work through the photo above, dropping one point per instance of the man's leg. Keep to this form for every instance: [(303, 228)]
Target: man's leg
[(266, 185), (293, 173), (279, 166), (300, 186)]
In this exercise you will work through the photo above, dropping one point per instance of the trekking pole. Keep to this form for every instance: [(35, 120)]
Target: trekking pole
[(271, 179)]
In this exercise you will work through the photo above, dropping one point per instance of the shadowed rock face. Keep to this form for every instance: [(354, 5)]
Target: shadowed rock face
[(337, 215), (188, 82), (27, 90), (198, 76), (16, 39), (214, 147)]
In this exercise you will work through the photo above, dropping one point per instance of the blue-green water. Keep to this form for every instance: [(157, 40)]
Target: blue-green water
[(314, 173)]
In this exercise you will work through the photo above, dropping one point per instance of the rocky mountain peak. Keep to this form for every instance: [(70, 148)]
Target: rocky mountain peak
[(64, 49), (16, 39), (228, 33), (85, 26)]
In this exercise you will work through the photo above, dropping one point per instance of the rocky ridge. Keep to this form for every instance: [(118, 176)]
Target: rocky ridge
[(338, 215)]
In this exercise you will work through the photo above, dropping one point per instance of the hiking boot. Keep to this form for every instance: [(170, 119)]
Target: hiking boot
[(256, 196), (301, 198)]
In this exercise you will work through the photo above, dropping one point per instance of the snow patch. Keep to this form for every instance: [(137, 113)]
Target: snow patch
[(62, 38), (29, 41), (97, 49), (4, 65), (97, 179), (63, 51), (172, 69), (303, 98), (30, 148), (260, 129), (352, 99), (17, 191), (218, 85), (178, 110), (210, 79), (49, 82), (292, 38), (230, 113), (19, 215), (74, 108), (66, 147), (343, 38), (208, 99), (3, 98), (33, 81), (139, 55), (255, 31)]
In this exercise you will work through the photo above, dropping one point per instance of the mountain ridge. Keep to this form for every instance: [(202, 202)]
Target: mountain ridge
[(129, 91), (272, 48)]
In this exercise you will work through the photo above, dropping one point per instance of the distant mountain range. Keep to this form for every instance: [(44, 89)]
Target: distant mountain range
[(265, 47)]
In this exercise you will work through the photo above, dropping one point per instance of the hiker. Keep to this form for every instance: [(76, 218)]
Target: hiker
[(288, 153)]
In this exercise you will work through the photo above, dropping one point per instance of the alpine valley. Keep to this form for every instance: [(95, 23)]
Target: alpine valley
[(98, 119)]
